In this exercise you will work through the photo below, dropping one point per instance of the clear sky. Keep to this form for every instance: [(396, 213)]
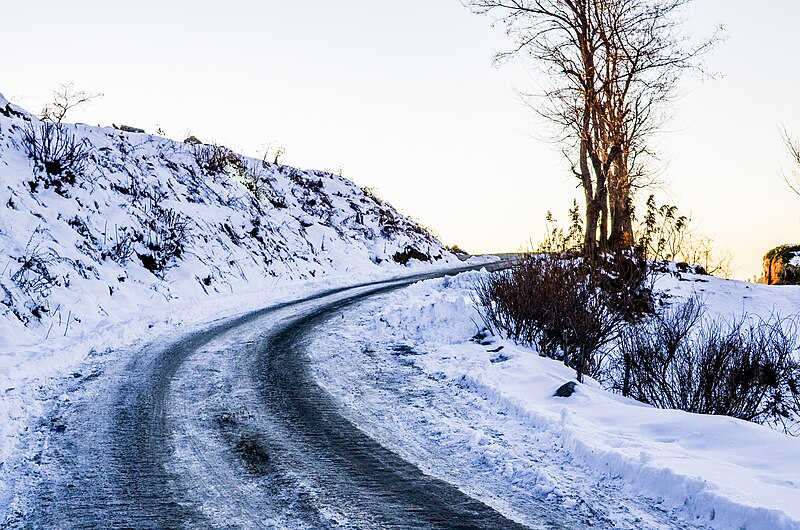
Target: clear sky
[(403, 97)]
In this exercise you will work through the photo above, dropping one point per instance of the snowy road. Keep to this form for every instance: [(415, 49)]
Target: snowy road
[(227, 428)]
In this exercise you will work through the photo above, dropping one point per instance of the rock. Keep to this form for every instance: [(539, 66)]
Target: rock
[(565, 390), (127, 128), (192, 140), (782, 265)]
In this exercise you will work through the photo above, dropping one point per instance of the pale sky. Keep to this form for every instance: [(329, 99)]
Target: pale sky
[(403, 97)]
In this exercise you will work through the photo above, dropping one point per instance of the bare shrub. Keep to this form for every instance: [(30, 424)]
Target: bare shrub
[(666, 235), (55, 149), (65, 98), (571, 309), (792, 145), (34, 277), (118, 247), (557, 241), (166, 236), (746, 369), (216, 159), (253, 179), (257, 179)]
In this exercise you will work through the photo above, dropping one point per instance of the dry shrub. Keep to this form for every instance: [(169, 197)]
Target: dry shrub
[(55, 149), (165, 238), (746, 369), (216, 159), (571, 309)]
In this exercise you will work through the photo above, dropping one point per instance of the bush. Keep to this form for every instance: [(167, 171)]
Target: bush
[(55, 149), (35, 279), (408, 254), (215, 159), (166, 237), (119, 247), (746, 369), (556, 241), (664, 235), (569, 308), (253, 179)]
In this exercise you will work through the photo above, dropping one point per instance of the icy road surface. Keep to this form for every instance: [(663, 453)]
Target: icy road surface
[(227, 428)]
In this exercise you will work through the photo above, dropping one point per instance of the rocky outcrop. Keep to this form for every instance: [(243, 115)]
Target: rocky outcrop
[(782, 265)]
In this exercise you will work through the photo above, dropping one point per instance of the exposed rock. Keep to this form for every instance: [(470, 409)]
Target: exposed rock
[(782, 265), (565, 390), (128, 128), (192, 140)]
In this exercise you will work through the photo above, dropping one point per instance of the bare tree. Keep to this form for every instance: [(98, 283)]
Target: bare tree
[(65, 98), (611, 64)]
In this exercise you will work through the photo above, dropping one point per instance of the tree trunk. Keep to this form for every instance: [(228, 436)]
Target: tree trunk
[(590, 195), (592, 220), (604, 221), (621, 236)]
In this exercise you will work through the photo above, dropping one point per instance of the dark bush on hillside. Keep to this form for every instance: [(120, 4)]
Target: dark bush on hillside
[(570, 308), (35, 279), (57, 151), (215, 159), (408, 254), (119, 246), (679, 360), (165, 239), (455, 249)]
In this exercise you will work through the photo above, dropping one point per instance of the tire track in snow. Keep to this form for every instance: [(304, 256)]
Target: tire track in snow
[(116, 466)]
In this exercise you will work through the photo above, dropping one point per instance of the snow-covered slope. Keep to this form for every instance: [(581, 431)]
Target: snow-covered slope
[(483, 414), (137, 230), (148, 218)]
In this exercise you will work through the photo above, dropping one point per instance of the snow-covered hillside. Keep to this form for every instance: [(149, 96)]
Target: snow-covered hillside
[(135, 234), (143, 217), (482, 413)]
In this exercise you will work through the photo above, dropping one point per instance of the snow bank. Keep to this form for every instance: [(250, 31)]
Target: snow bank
[(722, 472)]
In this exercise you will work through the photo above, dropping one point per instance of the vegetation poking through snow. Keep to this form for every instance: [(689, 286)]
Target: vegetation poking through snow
[(571, 309), (59, 157), (745, 368), (134, 214)]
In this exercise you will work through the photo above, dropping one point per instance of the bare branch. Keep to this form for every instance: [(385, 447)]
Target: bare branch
[(66, 98)]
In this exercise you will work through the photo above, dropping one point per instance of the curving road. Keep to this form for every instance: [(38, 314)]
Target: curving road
[(225, 428)]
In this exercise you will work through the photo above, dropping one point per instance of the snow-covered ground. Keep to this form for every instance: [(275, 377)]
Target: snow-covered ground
[(484, 415), (149, 239), (149, 242)]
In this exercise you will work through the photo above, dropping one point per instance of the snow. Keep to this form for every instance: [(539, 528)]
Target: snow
[(710, 471), (310, 231), (481, 415)]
